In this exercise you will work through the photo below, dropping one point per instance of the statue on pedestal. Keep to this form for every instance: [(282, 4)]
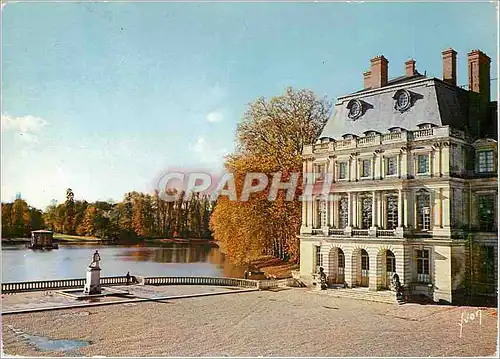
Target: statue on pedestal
[(322, 278), (396, 286), (95, 260), (93, 279)]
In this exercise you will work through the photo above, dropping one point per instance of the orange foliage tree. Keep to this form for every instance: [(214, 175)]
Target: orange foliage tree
[(270, 140)]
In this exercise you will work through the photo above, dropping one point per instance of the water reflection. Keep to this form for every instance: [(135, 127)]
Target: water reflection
[(70, 261)]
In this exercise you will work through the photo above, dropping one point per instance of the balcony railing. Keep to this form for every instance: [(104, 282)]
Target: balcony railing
[(336, 232), (385, 233), (378, 139), (419, 134), (360, 232)]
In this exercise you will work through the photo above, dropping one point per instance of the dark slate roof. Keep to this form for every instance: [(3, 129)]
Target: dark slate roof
[(434, 102)]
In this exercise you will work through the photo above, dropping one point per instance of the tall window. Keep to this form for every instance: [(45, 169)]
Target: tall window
[(486, 212), (392, 212), (342, 170), (485, 162), (391, 166), (343, 215), (365, 262), (319, 259), (422, 164), (423, 266), (322, 213), (320, 172), (367, 168), (390, 262), (366, 219), (423, 211)]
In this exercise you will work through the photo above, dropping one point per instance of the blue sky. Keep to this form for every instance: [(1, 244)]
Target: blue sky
[(104, 97)]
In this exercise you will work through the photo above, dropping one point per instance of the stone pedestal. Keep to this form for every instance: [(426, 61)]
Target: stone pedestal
[(372, 231), (92, 281)]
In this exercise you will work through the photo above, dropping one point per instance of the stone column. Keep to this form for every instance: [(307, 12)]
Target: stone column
[(350, 215), (382, 165), (374, 209), (403, 167), (336, 211), (373, 167), (398, 165), (440, 208), (431, 163), (355, 214), (400, 208), (310, 211), (445, 159), (379, 209), (331, 217), (399, 232), (349, 209), (407, 209), (373, 230)]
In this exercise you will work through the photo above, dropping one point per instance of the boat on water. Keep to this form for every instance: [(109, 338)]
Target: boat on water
[(42, 239)]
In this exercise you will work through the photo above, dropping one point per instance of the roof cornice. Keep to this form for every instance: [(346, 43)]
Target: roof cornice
[(388, 88)]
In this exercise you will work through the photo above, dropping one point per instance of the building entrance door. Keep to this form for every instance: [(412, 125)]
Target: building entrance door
[(390, 268)]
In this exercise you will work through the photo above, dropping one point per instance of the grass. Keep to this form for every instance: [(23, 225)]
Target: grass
[(70, 238)]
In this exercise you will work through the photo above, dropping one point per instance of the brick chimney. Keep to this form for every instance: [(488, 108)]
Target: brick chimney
[(479, 73), (379, 71), (410, 68), (450, 66), (367, 79)]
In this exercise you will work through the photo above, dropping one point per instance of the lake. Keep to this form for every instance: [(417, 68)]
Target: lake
[(71, 260)]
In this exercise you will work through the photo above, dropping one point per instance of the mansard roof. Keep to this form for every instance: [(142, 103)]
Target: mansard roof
[(432, 102)]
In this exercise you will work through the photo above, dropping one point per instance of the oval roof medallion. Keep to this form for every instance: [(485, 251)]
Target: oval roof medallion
[(355, 109)]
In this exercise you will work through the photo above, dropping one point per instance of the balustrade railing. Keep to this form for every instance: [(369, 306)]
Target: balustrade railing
[(317, 231), (360, 232), (387, 138), (57, 284), (215, 281), (428, 132), (336, 232), (385, 233)]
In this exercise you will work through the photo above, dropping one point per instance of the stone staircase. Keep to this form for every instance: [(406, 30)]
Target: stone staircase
[(385, 296)]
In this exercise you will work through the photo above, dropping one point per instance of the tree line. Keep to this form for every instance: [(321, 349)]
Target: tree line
[(138, 215)]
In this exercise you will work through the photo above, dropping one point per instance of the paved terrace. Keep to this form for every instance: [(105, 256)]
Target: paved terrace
[(51, 299), (288, 322)]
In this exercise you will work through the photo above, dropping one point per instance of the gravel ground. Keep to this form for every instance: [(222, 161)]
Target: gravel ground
[(283, 323)]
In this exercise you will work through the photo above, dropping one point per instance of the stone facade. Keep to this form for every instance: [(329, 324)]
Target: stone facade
[(418, 199)]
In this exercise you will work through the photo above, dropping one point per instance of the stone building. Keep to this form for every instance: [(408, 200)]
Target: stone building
[(412, 163)]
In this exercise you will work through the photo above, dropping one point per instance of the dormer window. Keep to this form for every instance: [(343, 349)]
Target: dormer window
[(355, 109), (424, 126), (395, 130), (348, 136), (402, 100), (371, 133)]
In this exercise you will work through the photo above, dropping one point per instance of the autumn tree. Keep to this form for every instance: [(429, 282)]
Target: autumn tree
[(270, 139)]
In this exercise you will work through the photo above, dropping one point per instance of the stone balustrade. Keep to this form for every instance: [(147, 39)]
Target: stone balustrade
[(58, 284), (336, 232), (215, 281), (386, 138)]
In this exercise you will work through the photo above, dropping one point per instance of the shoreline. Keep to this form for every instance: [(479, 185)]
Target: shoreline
[(67, 239)]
